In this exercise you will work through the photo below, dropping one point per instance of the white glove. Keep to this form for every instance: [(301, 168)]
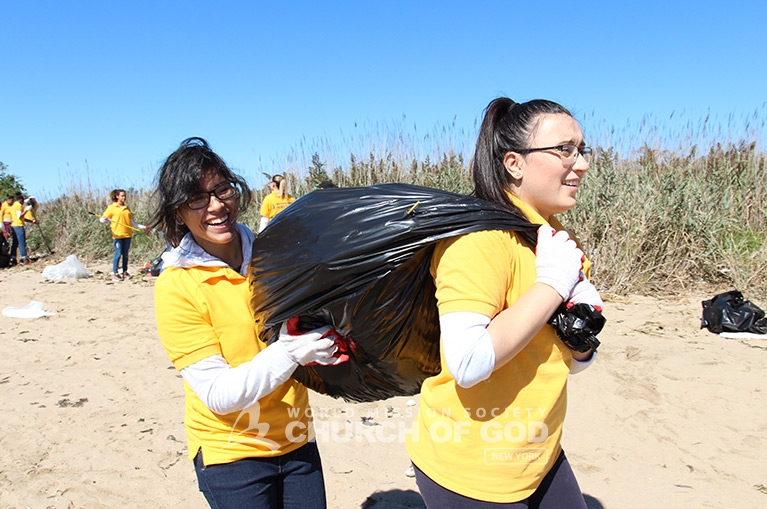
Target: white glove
[(558, 260), (104, 219), (585, 293), (308, 347)]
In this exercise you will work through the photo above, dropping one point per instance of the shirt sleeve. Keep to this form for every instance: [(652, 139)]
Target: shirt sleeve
[(183, 323), (225, 389)]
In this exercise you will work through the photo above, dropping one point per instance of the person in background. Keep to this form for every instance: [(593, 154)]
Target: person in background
[(326, 184), (248, 424), (489, 425), (276, 201), (5, 214), (20, 214), (120, 219)]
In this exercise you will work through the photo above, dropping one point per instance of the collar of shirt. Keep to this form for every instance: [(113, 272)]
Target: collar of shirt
[(188, 254)]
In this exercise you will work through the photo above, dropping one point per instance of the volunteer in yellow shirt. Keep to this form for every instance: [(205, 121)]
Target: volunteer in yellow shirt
[(248, 424), (489, 426), (18, 234), (120, 219), (276, 201), (5, 215)]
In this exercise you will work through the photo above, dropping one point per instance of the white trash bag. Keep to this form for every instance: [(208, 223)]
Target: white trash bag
[(71, 268), (32, 310)]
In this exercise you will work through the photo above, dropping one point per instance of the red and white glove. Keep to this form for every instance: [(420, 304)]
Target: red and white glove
[(585, 293), (558, 261), (317, 346)]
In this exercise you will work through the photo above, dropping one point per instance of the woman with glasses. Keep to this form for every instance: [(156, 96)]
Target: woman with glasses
[(276, 201), (248, 423), (489, 425)]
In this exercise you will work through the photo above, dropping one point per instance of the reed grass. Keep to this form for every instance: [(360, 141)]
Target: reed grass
[(661, 211)]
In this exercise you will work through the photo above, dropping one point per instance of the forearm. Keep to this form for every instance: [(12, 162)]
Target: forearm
[(225, 389), (513, 328)]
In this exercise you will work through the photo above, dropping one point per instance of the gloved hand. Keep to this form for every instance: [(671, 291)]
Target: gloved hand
[(315, 346), (558, 261), (585, 293)]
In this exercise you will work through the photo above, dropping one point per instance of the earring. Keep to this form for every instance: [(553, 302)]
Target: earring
[(517, 175), (179, 220)]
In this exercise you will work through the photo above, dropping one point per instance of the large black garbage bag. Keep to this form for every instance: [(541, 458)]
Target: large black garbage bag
[(358, 259), (729, 312)]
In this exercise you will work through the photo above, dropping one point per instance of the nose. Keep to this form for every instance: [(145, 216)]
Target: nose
[(214, 203), (580, 163)]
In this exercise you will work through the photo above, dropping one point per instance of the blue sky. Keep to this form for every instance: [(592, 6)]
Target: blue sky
[(97, 93)]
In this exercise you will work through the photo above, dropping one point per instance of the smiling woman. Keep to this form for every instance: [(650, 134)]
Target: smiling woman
[(206, 325), (495, 293)]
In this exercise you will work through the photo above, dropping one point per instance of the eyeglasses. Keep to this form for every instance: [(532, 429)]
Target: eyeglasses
[(566, 152), (225, 191)]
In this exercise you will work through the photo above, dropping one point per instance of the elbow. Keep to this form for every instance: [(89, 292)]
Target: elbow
[(466, 378)]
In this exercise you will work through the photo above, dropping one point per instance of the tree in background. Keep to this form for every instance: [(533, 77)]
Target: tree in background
[(317, 172), (9, 184)]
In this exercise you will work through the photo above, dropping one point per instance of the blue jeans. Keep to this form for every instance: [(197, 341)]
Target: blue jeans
[(121, 249), (293, 480), (19, 242)]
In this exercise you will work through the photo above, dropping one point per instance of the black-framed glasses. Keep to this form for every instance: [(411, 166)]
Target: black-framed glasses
[(224, 191), (566, 151)]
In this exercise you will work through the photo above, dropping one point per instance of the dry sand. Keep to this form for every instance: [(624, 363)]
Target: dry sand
[(92, 410)]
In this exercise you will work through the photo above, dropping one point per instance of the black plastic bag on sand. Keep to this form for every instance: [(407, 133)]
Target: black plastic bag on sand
[(729, 312), (358, 259)]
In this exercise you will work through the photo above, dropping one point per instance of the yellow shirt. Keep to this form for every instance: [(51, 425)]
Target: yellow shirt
[(17, 219), (121, 220), (494, 441), (204, 311), (5, 212), (29, 215), (273, 204)]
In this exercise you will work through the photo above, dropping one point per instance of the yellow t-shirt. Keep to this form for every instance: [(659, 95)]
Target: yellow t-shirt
[(5, 212), (29, 215), (496, 440), (273, 204), (16, 218), (204, 311), (121, 220)]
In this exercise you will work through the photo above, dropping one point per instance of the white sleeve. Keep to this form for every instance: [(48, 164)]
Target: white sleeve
[(469, 354), (262, 223), (578, 366), (137, 225), (225, 389)]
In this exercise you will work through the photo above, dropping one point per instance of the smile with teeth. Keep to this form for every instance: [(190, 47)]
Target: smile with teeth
[(571, 183), (219, 221)]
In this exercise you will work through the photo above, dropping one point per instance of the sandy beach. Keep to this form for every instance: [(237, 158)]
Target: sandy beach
[(92, 409)]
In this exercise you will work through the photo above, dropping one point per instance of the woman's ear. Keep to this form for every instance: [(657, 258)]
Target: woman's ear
[(512, 162)]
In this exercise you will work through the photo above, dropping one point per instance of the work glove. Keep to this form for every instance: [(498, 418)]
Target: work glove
[(584, 293), (313, 347), (558, 261)]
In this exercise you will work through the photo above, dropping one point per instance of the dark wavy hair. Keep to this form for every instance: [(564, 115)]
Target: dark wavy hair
[(507, 126), (179, 179)]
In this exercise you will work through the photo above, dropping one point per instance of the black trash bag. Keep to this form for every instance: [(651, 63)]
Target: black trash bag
[(153, 268), (358, 259), (729, 312), (578, 326)]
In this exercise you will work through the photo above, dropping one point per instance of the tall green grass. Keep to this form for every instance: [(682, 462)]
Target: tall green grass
[(659, 211)]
